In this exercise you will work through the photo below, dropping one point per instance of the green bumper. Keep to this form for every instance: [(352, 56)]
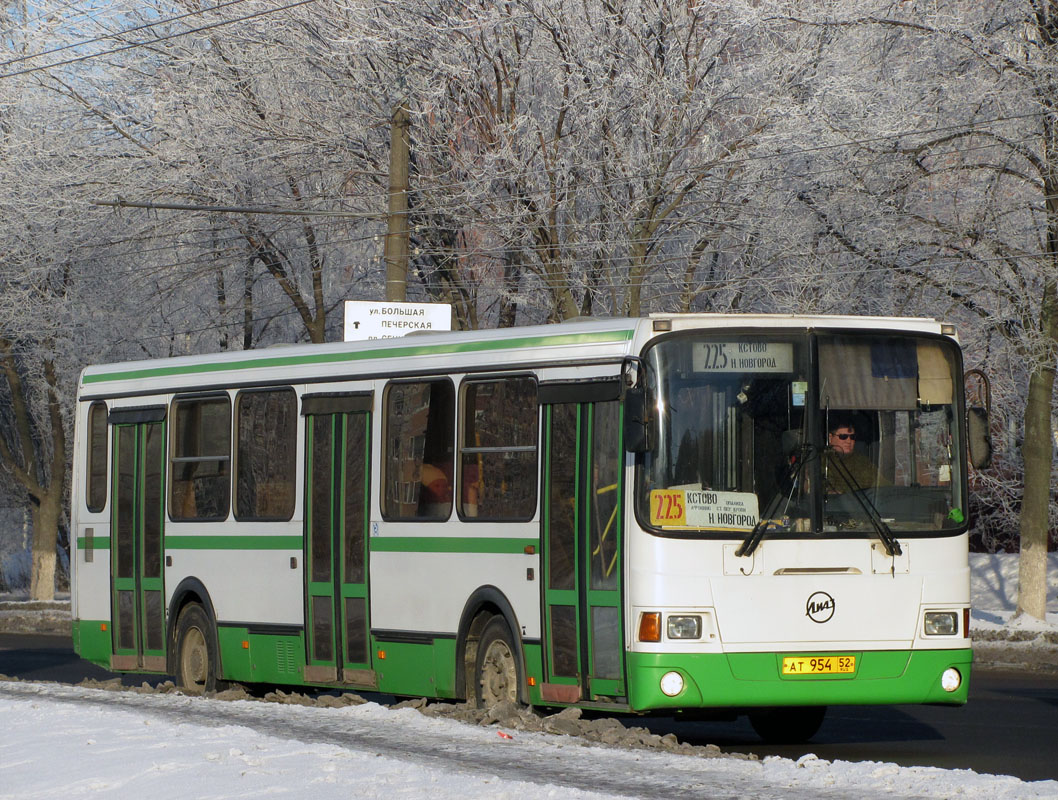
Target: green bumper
[(736, 680), (92, 640)]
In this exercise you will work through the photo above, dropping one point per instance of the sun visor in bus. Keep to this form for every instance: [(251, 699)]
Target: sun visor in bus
[(336, 403), (934, 375), (132, 416), (597, 391), (881, 375)]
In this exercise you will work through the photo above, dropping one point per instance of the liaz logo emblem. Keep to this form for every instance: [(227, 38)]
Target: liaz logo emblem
[(820, 607)]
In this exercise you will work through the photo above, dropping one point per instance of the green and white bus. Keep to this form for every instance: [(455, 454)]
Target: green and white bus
[(637, 515)]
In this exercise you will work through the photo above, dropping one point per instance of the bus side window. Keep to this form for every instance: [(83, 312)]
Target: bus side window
[(200, 485), (497, 454), (265, 448), (96, 472), (419, 438)]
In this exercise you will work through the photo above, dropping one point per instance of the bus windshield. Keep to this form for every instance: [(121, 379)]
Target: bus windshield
[(819, 432)]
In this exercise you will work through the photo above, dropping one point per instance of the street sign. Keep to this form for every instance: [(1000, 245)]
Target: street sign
[(368, 319)]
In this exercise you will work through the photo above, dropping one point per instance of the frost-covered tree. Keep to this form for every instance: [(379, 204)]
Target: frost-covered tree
[(36, 274), (937, 135), (579, 158), (594, 157), (242, 133)]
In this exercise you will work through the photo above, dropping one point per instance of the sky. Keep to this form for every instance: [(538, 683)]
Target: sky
[(75, 742)]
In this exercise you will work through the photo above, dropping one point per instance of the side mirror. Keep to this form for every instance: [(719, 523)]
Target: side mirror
[(979, 438), (636, 422)]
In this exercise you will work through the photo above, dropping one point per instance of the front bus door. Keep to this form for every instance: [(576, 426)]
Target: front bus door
[(337, 478), (138, 592), (582, 543)]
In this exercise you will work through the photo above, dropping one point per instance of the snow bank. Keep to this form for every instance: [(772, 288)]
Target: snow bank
[(73, 742), (994, 593)]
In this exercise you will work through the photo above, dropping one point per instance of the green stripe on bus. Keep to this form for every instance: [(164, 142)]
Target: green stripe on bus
[(363, 355), (383, 544), (98, 542), (450, 544), (233, 542)]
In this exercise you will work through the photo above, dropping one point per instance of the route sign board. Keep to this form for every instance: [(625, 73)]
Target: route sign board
[(369, 319)]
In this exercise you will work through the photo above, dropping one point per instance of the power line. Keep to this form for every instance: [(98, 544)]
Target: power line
[(120, 33), (291, 212), (157, 40), (449, 188)]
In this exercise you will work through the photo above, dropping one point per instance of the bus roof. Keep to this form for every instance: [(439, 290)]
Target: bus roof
[(583, 339)]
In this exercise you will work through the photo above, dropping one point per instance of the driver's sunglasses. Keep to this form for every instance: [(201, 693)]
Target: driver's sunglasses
[(844, 436)]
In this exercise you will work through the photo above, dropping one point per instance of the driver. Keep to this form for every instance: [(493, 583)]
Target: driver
[(841, 446)]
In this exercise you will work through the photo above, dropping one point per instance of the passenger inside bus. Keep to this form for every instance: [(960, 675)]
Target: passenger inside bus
[(435, 496)]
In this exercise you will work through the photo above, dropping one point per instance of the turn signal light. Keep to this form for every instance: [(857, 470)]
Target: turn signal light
[(650, 626)]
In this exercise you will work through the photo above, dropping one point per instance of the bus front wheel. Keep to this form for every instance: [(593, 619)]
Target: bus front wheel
[(497, 665), (196, 652), (787, 725)]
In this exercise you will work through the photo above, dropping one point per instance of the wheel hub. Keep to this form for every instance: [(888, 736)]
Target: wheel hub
[(498, 674)]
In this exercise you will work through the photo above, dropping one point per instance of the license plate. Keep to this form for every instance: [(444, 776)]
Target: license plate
[(818, 665)]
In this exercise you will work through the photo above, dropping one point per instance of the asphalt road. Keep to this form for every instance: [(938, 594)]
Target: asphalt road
[(1008, 727)]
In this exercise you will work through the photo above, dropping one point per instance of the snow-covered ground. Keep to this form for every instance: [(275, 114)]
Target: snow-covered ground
[(76, 742), (73, 743), (994, 592)]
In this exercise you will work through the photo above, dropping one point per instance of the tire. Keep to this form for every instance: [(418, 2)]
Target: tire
[(497, 673), (787, 725), (197, 663)]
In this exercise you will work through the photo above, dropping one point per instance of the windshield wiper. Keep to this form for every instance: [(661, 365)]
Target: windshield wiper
[(767, 521), (892, 546)]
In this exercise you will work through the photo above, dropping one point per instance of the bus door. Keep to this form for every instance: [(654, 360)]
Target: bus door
[(582, 543), (337, 481), (137, 527)]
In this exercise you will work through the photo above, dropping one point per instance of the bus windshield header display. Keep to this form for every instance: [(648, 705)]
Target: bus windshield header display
[(742, 357), (817, 432)]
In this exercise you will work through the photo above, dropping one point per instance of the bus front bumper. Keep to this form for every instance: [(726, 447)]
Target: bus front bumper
[(746, 680)]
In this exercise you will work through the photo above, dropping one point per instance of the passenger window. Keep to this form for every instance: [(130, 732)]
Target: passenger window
[(96, 468), (265, 452), (497, 458), (419, 418), (200, 485)]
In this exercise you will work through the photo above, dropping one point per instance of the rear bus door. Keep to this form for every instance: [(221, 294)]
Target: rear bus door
[(138, 525), (337, 481)]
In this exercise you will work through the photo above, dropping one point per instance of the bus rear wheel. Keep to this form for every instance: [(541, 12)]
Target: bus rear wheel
[(196, 652), (498, 676), (787, 725)]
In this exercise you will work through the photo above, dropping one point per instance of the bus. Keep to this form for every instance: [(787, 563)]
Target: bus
[(688, 514)]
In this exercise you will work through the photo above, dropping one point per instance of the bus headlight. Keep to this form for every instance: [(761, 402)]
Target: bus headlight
[(672, 683), (687, 626), (941, 623), (950, 680)]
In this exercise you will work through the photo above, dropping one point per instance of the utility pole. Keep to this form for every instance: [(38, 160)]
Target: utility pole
[(396, 247)]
